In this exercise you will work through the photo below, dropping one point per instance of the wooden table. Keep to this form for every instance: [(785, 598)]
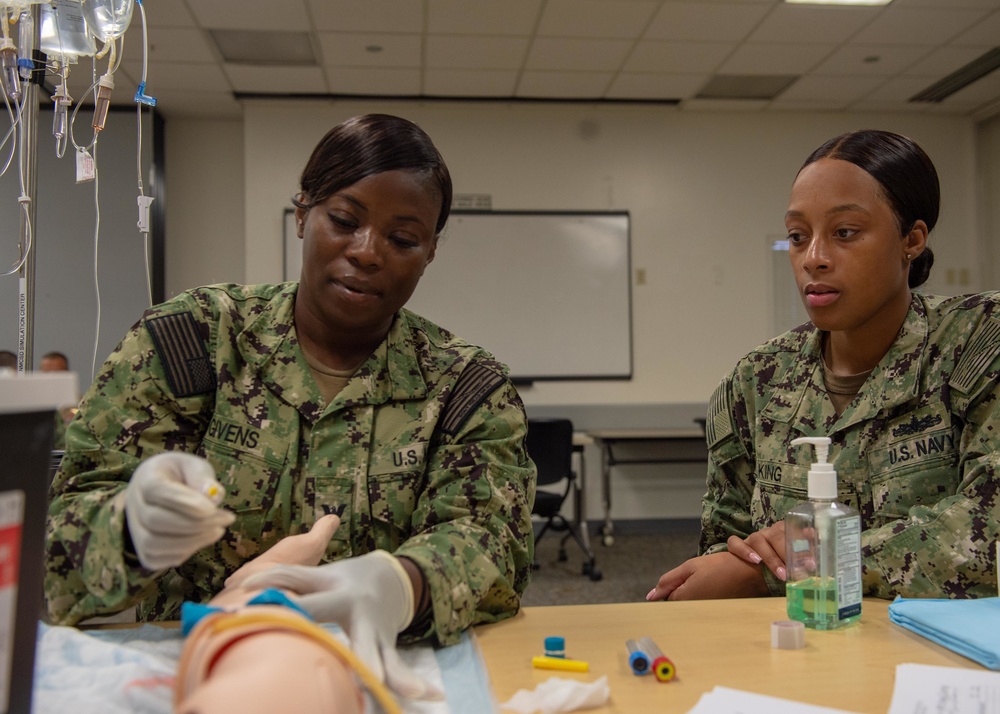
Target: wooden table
[(711, 642), (686, 444)]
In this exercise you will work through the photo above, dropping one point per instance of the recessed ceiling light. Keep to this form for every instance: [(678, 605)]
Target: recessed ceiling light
[(839, 2)]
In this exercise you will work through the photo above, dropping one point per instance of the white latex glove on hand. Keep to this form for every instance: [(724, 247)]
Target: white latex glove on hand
[(371, 597), (170, 511)]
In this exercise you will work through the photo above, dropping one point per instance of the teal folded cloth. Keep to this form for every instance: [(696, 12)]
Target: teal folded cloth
[(968, 627)]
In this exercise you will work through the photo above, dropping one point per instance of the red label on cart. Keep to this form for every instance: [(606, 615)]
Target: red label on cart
[(10, 551)]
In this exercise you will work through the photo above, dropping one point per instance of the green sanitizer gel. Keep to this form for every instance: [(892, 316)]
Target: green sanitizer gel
[(823, 551)]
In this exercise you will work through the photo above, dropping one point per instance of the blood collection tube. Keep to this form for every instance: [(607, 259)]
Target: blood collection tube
[(662, 667), (637, 659)]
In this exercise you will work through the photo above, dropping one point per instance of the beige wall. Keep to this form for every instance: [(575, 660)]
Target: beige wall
[(705, 191), (988, 151), (204, 168)]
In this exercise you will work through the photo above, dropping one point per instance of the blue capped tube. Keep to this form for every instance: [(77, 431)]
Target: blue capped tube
[(637, 659)]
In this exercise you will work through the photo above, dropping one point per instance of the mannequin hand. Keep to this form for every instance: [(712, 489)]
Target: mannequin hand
[(707, 577), (767, 546), (371, 597), (168, 514)]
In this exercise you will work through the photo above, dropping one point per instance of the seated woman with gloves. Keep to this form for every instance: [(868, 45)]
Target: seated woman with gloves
[(307, 398)]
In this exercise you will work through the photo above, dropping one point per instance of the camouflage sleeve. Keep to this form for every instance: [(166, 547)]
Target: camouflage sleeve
[(127, 413), (946, 549), (726, 504), (472, 523)]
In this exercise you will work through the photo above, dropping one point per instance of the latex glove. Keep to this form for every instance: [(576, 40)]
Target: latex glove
[(171, 511), (371, 597)]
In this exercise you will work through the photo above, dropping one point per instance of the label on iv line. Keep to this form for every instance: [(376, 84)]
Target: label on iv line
[(84, 166), (11, 519)]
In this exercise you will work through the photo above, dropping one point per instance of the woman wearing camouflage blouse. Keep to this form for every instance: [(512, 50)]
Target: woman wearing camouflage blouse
[(906, 385), (232, 416)]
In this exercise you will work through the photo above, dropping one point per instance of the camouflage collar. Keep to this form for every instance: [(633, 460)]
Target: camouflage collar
[(894, 380), (268, 342)]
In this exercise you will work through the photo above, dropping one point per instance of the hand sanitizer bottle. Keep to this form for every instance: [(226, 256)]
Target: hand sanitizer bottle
[(823, 551)]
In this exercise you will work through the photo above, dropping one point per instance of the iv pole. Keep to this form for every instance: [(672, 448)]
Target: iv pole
[(28, 156)]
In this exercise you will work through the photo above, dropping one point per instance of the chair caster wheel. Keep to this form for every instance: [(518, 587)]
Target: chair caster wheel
[(608, 540), (562, 556), (596, 575)]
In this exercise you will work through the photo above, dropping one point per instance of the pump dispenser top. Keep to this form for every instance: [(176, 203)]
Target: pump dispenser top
[(822, 476)]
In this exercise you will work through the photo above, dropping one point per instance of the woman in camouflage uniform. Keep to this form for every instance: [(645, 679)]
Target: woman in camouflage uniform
[(302, 399), (906, 385)]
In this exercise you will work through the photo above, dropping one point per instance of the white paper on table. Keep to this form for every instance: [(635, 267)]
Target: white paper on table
[(926, 689), (723, 700)]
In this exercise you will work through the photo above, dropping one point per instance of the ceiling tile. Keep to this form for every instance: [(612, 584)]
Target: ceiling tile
[(874, 105), (564, 85), (374, 81), (170, 44), (650, 56), (276, 80), (595, 18), (835, 90), (980, 91), (368, 16), (909, 26), (470, 83), (163, 13), (709, 22), (655, 85), (164, 76), (349, 49), (587, 49), (775, 59), (900, 89), (985, 33), (251, 14), (467, 52), (942, 62), (548, 53), (948, 3), (812, 23), (872, 59), (510, 17)]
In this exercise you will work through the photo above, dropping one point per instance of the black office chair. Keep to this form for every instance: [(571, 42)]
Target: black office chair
[(550, 446)]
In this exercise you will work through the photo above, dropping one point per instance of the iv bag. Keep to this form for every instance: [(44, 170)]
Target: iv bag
[(64, 32), (20, 5), (107, 19)]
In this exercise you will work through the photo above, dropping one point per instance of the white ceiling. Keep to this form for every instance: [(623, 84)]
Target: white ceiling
[(847, 58)]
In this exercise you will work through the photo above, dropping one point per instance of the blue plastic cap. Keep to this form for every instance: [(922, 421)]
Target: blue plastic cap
[(555, 647), (639, 663)]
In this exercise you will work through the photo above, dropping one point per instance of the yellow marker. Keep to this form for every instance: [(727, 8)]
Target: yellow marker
[(567, 665)]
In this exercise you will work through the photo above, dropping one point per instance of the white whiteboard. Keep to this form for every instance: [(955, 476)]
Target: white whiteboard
[(548, 293)]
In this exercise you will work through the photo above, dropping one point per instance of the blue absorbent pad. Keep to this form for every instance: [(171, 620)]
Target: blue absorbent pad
[(968, 627), (131, 671)]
